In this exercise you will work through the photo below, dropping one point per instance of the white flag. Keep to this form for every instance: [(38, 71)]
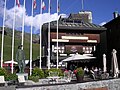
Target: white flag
[(43, 5)]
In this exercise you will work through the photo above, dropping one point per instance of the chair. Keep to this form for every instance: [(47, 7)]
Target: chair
[(105, 76), (21, 80), (92, 74), (2, 80)]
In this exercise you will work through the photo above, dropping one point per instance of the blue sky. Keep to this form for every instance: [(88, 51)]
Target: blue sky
[(102, 11)]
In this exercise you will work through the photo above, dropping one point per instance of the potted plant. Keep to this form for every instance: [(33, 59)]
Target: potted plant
[(79, 74)]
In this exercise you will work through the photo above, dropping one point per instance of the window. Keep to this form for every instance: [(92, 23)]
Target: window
[(61, 49), (87, 49)]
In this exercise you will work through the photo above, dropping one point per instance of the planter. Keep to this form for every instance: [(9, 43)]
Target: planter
[(79, 78)]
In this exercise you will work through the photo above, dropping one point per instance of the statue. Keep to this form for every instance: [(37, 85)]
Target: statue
[(20, 57)]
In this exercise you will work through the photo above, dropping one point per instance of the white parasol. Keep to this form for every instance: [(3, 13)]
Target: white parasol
[(104, 63), (78, 57), (115, 63), (9, 62)]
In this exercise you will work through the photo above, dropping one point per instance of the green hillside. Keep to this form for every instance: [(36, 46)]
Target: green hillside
[(8, 43)]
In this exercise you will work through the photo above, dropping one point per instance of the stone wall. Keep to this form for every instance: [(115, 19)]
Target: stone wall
[(112, 84)]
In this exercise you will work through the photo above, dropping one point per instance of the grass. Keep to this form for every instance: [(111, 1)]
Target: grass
[(8, 46)]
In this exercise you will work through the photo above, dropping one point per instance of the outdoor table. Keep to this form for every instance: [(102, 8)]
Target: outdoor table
[(53, 78)]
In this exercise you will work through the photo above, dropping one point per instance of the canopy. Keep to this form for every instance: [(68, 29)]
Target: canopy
[(10, 62), (77, 57)]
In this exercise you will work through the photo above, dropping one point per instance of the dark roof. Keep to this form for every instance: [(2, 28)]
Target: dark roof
[(74, 23), (71, 24), (114, 21)]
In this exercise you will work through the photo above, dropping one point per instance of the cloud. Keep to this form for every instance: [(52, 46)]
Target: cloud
[(18, 17), (101, 24), (1, 7), (38, 19)]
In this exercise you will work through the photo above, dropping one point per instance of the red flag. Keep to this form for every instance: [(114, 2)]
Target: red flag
[(18, 3), (58, 6), (34, 4), (43, 5)]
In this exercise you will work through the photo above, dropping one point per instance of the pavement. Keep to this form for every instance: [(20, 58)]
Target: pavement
[(8, 88)]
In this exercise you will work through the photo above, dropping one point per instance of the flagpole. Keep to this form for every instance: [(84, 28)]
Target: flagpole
[(13, 37), (31, 42), (3, 35), (82, 5), (23, 26), (40, 36), (49, 39), (57, 34)]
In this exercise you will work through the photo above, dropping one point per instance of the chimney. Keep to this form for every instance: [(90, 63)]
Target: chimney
[(115, 14)]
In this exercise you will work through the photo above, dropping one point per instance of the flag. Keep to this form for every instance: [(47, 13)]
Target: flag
[(58, 6), (18, 3), (49, 8), (43, 5), (34, 4)]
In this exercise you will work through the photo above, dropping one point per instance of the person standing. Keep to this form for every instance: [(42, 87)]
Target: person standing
[(20, 57)]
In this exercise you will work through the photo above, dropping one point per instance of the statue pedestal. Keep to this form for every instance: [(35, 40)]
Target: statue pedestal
[(23, 74)]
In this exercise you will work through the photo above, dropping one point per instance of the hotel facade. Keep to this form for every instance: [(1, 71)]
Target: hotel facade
[(76, 34)]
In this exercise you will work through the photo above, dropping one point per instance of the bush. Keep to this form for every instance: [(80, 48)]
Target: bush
[(3, 72), (38, 72), (34, 78), (8, 76), (11, 76), (59, 71), (79, 71)]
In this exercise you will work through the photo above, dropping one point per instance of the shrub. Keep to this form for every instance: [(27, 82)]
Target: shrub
[(59, 71), (8, 76), (11, 76), (3, 72), (34, 78), (38, 72), (79, 71)]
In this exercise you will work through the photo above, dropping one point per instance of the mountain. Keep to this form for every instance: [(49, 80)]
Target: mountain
[(8, 44)]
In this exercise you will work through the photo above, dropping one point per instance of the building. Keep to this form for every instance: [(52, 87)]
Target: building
[(113, 38), (75, 35), (85, 16)]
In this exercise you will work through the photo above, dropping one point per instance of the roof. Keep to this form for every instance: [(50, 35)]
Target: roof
[(114, 21), (74, 23)]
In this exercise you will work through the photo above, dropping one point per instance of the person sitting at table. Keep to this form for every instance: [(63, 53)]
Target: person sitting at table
[(86, 70), (92, 73), (96, 71)]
